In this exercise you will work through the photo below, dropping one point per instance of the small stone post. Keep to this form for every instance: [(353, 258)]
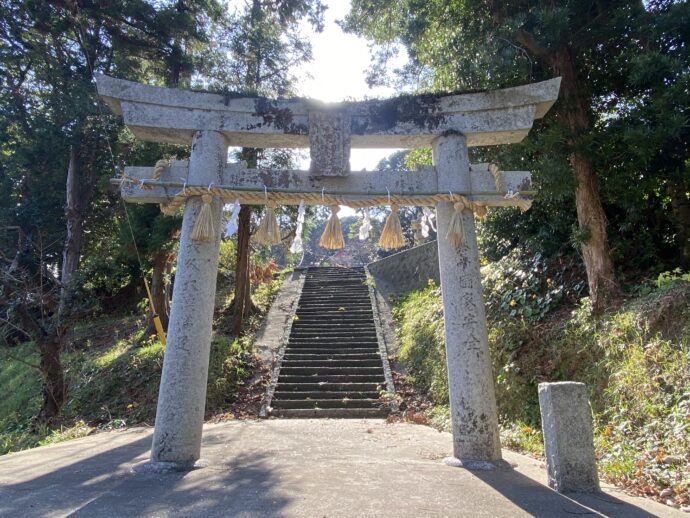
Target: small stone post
[(568, 439), (476, 442), (182, 394)]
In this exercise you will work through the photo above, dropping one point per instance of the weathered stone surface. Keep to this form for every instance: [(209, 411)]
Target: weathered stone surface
[(329, 143), (398, 182), (408, 270), (173, 115), (470, 378), (568, 439), (182, 395)]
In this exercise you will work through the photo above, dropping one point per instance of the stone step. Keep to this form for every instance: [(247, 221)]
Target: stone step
[(335, 304), (319, 287), (326, 280), (333, 362), (319, 300), (324, 333), (301, 345), (295, 395), (334, 336), (345, 328), (336, 289), (331, 378), (330, 341), (334, 311), (351, 386), (328, 403), (333, 328), (329, 297), (319, 273), (327, 356), (347, 316), (342, 413), (329, 319), (338, 349), (332, 280), (334, 308), (332, 365), (327, 372)]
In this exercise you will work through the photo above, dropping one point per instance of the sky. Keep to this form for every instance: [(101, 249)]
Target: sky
[(338, 73)]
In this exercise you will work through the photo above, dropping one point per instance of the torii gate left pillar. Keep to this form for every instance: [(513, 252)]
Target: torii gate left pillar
[(182, 394)]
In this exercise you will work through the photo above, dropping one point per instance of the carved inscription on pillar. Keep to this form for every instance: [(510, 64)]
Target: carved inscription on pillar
[(329, 143)]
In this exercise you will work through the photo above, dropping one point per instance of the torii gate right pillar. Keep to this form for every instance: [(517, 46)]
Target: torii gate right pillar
[(476, 442)]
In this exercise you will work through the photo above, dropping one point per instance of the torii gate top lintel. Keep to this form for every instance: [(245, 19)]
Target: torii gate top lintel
[(174, 115)]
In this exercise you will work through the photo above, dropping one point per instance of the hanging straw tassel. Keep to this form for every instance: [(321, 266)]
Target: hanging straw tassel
[(523, 204), (392, 235), (480, 211), (203, 226), (456, 229), (332, 237), (268, 232)]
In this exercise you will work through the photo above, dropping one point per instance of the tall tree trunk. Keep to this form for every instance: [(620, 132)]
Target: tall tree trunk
[(242, 280), (73, 239), (590, 213), (680, 208), (592, 221), (51, 342), (54, 387), (160, 288)]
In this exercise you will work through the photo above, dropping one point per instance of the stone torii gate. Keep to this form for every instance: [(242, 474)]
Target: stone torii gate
[(213, 122)]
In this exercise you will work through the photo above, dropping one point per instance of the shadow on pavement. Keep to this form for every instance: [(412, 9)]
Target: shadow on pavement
[(104, 485), (539, 500)]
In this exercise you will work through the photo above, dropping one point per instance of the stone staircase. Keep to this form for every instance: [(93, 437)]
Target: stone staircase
[(332, 365)]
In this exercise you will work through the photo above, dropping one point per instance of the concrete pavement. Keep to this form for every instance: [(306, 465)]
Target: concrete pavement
[(290, 468)]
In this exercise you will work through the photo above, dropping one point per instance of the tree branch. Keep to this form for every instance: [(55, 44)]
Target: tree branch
[(526, 39)]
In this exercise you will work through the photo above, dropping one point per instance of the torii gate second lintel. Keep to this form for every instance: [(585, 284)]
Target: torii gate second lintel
[(212, 122)]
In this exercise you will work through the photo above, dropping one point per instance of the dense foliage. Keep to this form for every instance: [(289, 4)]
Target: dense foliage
[(611, 159), (69, 249), (635, 361)]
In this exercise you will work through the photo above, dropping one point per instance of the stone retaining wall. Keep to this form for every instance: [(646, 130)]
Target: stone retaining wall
[(408, 270)]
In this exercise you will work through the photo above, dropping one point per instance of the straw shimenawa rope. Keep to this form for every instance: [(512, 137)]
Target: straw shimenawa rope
[(161, 164), (315, 198), (269, 231)]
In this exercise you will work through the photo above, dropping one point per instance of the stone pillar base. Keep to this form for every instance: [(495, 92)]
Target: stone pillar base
[(478, 465), (161, 467)]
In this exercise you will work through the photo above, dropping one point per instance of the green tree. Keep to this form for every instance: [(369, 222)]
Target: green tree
[(55, 147), (265, 44), (595, 47)]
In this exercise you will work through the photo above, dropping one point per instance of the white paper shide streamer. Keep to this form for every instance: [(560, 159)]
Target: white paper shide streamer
[(366, 226), (427, 221), (297, 246), (231, 226)]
